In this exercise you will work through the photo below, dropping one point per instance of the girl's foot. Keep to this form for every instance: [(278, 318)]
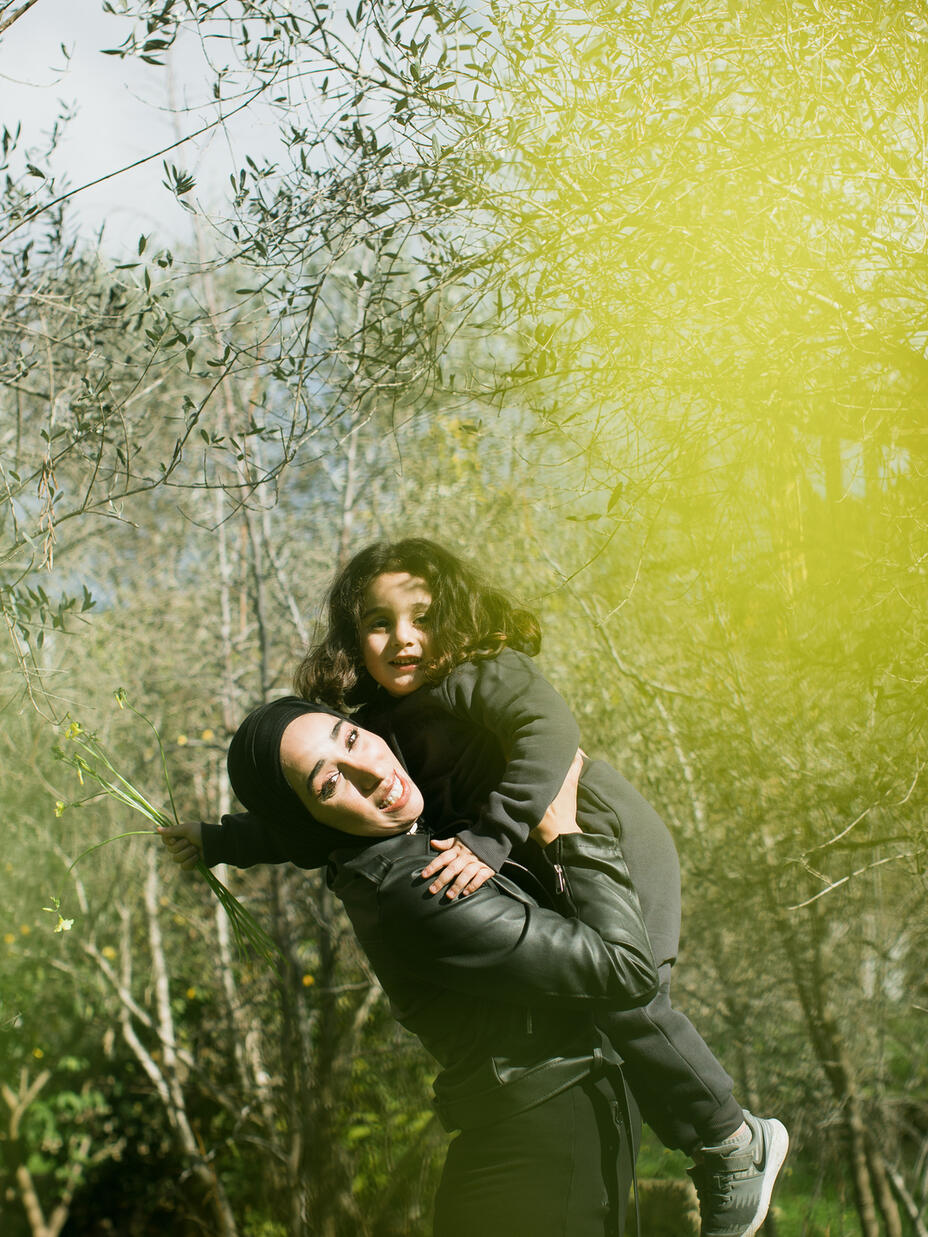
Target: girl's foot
[(734, 1184)]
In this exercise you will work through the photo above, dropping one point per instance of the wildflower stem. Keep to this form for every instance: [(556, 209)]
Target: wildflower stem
[(164, 763), (94, 763), (132, 833)]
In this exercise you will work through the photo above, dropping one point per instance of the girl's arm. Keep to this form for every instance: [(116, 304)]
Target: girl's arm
[(508, 696), (461, 866), (457, 870), (561, 817)]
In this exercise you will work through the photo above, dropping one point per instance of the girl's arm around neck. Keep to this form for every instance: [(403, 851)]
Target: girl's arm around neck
[(508, 696)]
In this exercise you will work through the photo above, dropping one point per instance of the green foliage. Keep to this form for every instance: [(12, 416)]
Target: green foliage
[(623, 301)]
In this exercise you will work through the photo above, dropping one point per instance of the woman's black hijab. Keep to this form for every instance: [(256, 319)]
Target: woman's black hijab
[(258, 780)]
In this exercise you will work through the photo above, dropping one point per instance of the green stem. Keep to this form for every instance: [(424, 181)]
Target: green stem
[(132, 833), (248, 933), (124, 791), (164, 763), (94, 750)]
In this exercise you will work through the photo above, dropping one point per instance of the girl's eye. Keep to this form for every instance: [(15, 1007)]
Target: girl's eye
[(423, 620), (351, 739), (327, 789)]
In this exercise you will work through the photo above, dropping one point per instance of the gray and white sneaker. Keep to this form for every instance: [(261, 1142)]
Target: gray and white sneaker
[(734, 1185)]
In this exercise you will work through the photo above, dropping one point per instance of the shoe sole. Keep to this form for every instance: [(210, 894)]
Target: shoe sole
[(777, 1149)]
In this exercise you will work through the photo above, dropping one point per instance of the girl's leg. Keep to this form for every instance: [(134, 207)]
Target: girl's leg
[(684, 1093)]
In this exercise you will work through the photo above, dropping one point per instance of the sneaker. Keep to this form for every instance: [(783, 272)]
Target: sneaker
[(734, 1186)]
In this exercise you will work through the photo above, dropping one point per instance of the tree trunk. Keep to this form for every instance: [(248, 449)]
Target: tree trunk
[(294, 1049), (867, 1169), (170, 1087)]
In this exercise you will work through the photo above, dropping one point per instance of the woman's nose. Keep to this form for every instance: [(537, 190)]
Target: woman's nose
[(365, 775)]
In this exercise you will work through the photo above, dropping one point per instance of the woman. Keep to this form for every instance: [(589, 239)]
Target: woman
[(500, 990)]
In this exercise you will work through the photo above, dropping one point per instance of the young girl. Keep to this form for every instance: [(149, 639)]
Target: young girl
[(441, 666)]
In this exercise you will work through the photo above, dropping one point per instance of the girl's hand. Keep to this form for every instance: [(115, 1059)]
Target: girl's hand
[(458, 867), (561, 816), (185, 842)]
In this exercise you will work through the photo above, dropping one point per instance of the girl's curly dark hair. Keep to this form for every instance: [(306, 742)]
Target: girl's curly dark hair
[(467, 619)]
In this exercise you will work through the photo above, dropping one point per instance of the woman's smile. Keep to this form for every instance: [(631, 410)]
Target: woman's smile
[(396, 796)]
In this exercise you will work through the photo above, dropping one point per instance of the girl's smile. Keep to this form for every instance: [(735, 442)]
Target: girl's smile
[(396, 640)]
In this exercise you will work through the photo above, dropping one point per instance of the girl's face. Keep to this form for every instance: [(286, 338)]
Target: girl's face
[(396, 641)]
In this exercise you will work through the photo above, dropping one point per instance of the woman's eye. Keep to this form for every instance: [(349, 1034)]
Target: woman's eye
[(423, 620), (351, 739), (327, 789)]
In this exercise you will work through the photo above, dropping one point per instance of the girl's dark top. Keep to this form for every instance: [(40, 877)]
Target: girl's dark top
[(489, 747)]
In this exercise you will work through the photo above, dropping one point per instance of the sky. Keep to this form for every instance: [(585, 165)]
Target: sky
[(122, 115)]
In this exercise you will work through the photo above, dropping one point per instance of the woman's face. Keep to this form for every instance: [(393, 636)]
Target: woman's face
[(348, 778)]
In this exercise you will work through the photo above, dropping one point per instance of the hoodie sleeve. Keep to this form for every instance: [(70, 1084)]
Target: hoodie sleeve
[(242, 839), (510, 698)]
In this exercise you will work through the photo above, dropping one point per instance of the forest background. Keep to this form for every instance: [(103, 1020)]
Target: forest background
[(625, 302)]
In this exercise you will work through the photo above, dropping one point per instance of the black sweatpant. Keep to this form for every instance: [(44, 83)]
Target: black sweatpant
[(684, 1094), (560, 1169)]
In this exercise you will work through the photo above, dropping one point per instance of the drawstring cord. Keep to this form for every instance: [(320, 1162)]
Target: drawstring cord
[(611, 1072), (632, 1158)]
